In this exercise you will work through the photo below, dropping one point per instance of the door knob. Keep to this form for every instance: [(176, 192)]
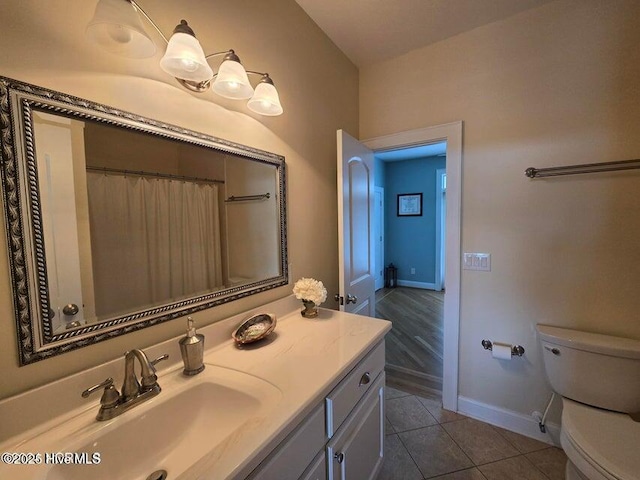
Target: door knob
[(339, 298), (351, 299), (70, 309)]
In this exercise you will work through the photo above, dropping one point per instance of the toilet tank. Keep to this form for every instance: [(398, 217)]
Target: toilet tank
[(598, 370)]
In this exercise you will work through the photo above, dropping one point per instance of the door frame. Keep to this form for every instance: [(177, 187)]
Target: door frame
[(378, 210), (441, 229), (452, 134)]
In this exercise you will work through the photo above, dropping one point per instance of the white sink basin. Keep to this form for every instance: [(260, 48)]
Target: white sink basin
[(187, 422)]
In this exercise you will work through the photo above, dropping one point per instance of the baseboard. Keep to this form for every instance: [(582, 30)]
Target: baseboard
[(509, 420), (411, 380), (422, 285)]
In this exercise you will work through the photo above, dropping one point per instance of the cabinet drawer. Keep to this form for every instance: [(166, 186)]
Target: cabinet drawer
[(317, 470), (349, 391), (294, 454), (356, 451)]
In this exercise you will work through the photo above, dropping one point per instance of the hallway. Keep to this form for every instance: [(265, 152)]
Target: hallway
[(414, 344)]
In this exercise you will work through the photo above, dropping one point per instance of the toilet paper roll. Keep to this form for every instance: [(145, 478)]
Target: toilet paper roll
[(501, 351)]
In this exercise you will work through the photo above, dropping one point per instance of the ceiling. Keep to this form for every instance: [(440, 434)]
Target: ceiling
[(370, 31)]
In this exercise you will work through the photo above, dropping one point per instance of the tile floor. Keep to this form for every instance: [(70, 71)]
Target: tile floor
[(425, 441)]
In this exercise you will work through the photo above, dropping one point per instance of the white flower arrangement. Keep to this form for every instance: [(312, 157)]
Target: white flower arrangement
[(310, 290)]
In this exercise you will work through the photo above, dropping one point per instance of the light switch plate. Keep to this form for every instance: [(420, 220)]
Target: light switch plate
[(476, 261)]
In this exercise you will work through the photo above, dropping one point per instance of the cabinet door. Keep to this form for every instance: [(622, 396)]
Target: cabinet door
[(356, 452), (293, 455)]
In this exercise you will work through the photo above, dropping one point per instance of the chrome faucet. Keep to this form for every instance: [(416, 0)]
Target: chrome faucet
[(134, 393), (131, 388)]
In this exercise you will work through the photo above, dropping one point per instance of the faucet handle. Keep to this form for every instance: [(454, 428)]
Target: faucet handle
[(110, 395), (106, 384), (159, 359), (149, 381)]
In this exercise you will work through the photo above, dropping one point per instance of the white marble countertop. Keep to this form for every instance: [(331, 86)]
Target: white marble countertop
[(303, 358)]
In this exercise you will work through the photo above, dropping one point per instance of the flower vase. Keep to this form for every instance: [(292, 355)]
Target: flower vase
[(310, 309)]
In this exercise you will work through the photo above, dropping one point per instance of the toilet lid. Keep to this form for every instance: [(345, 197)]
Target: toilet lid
[(608, 442)]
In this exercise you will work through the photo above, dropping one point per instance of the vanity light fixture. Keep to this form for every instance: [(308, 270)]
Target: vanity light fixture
[(116, 26)]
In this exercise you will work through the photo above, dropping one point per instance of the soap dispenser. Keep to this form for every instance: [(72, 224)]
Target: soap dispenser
[(192, 350)]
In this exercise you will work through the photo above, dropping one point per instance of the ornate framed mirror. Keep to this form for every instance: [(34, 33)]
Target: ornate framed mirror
[(116, 222)]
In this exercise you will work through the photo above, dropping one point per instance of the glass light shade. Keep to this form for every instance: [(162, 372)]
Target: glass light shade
[(232, 81), (117, 28), (184, 59), (266, 100)]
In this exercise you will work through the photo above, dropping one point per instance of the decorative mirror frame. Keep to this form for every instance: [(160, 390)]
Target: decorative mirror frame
[(23, 220)]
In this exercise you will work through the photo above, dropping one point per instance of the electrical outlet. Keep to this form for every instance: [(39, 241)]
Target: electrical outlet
[(413, 271)]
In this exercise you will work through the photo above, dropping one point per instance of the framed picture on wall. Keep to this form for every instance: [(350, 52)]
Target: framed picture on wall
[(409, 204)]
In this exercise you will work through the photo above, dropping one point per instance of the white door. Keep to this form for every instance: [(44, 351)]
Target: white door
[(56, 177), (355, 226)]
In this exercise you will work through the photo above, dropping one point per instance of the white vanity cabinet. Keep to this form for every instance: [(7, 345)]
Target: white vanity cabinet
[(343, 437), (290, 459), (318, 468), (306, 405)]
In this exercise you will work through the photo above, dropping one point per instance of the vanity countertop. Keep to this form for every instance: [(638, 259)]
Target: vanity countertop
[(303, 358)]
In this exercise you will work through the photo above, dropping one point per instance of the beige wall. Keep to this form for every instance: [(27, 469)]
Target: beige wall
[(252, 227), (107, 146), (552, 86), (557, 85), (43, 43)]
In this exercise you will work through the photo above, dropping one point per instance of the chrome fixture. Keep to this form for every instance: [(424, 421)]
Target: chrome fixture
[(516, 350), (158, 475), (70, 309), (619, 165), (192, 350), (133, 393), (117, 27), (342, 300), (242, 198)]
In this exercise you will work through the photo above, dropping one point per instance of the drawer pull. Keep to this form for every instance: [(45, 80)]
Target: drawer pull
[(366, 378), (339, 457)]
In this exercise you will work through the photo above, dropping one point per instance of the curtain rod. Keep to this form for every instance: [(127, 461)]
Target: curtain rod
[(141, 173), (583, 168)]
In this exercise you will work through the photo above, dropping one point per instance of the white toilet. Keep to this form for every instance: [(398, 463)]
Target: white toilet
[(598, 377)]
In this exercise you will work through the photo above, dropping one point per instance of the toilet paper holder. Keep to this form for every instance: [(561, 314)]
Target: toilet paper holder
[(516, 350)]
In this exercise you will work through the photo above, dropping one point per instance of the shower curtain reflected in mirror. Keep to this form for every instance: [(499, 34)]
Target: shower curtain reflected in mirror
[(153, 240)]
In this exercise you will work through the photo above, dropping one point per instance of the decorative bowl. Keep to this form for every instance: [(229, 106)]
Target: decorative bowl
[(255, 328)]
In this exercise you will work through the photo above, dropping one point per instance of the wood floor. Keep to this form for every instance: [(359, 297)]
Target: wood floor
[(414, 345)]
